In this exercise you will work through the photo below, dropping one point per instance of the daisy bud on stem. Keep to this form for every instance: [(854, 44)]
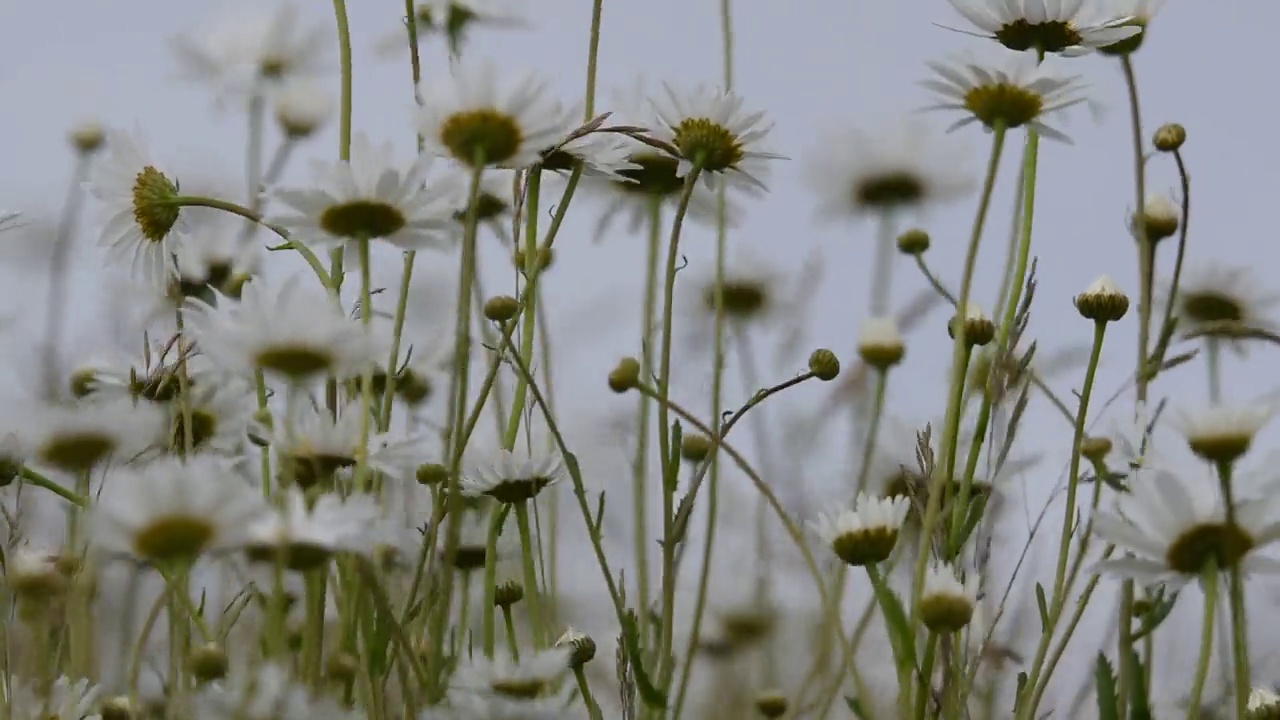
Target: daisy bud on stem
[(208, 662), (695, 447), (880, 344), (1170, 137), (913, 242), (866, 534), (625, 376), (947, 605), (1159, 219), (979, 329), (582, 647), (545, 257), (772, 704), (507, 594), (87, 137), (501, 308), (1103, 301), (824, 365)]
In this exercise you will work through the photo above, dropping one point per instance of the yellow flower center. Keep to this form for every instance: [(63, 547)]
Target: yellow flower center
[(1011, 105), (741, 298), (713, 143), (891, 190), (1050, 37), (77, 451), (864, 547), (293, 360), (656, 175), (362, 220), (517, 490), (174, 539), (1218, 543), (519, 688), (487, 136), (945, 613), (153, 209), (1211, 307)]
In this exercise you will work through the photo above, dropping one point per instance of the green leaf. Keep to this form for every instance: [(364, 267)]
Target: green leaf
[(672, 479), (1160, 609), (1043, 605), (1022, 687), (855, 707), (649, 693), (895, 617), (1139, 707), (1104, 680)]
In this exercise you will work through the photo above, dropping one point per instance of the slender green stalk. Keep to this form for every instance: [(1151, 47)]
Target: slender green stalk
[(1209, 581), (362, 475), (397, 332), (593, 708), (344, 61), (56, 300), (45, 483), (513, 640), (490, 580), (1146, 249), (532, 592), (882, 269), (640, 463), (593, 57), (1235, 591), (527, 321)]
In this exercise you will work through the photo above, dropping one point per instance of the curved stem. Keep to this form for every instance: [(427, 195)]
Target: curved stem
[(1146, 249), (344, 60), (527, 321), (41, 481)]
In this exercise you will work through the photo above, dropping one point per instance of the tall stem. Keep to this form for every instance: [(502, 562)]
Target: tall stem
[(882, 270), (640, 463), (56, 303), (1209, 581), (527, 320)]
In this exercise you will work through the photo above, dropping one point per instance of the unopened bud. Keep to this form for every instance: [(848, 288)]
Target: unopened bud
[(501, 308), (582, 646), (1159, 219), (1103, 301), (1170, 137), (695, 447), (208, 662), (1095, 448), (341, 667), (545, 257), (913, 242), (507, 594), (625, 376), (879, 344), (87, 137), (824, 364), (772, 704), (430, 474), (117, 708), (978, 328)]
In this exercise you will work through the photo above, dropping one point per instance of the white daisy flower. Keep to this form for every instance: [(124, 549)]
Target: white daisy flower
[(253, 47), (368, 199), (1219, 301), (606, 155), (305, 535), (1068, 27), (513, 477), (473, 543), (500, 688), (495, 201), (453, 19), (1017, 92), (898, 165), (709, 125), (1160, 217), (1140, 13), (302, 107), (140, 221), (215, 250), (1222, 433), (880, 343), (34, 573), (654, 180), (1175, 527), (311, 446), (265, 691), (75, 438), (946, 604), (221, 413), (472, 116), (866, 534), (67, 700), (1264, 702), (294, 330), (174, 511)]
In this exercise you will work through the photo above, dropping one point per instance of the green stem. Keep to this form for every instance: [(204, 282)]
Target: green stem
[(527, 321), (593, 708), (531, 589), (882, 270), (1210, 584), (1235, 591), (593, 56), (397, 332), (640, 463), (496, 517), (924, 683), (344, 60), (41, 481), (1146, 250), (361, 477), (56, 299)]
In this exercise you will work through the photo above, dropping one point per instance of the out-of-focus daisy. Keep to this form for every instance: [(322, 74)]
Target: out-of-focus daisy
[(946, 604), (1176, 527), (140, 221), (900, 165), (603, 154), (67, 699), (473, 543), (221, 411), (1220, 302), (257, 691), (368, 199), (494, 203), (453, 19), (1139, 14), (218, 252), (173, 511), (302, 107), (306, 534), (475, 118), (293, 330), (34, 573), (880, 343), (1222, 433), (654, 184), (1017, 92), (75, 438), (1263, 703), (708, 126), (500, 688), (1071, 28), (253, 47), (866, 534), (512, 477), (311, 446), (1159, 219)]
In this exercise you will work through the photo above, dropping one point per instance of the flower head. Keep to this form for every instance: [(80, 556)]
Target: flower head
[(866, 534), (946, 604), (709, 127), (898, 165), (1014, 91), (605, 155), (76, 438), (513, 477), (1139, 14), (302, 107), (880, 344), (1073, 27), (1224, 302), (369, 199), (500, 688), (472, 117), (304, 535), (312, 445), (1221, 434), (1102, 301)]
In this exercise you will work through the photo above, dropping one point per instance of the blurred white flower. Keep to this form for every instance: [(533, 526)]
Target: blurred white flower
[(946, 604), (603, 154), (500, 688), (67, 699), (1071, 28), (513, 477), (302, 107), (1218, 301), (311, 446), (866, 534), (304, 535), (75, 438)]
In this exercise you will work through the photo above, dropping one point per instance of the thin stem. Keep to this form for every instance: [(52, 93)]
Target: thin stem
[(326, 279), (1146, 249), (397, 333), (56, 302), (1235, 590), (41, 481), (593, 708), (527, 321), (882, 269), (490, 579), (640, 463), (1209, 581), (593, 56), (513, 640), (531, 589), (1175, 283), (934, 282), (344, 61)]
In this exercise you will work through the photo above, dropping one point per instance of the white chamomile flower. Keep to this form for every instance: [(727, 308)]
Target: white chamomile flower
[(708, 126), (304, 535), (880, 343), (368, 199), (1068, 27), (302, 107), (453, 19), (1222, 433), (1264, 703), (1140, 13), (473, 542), (1102, 301), (311, 446), (67, 699), (34, 573), (606, 155), (252, 47), (1012, 91), (221, 410), (866, 534), (1176, 527), (217, 251), (265, 691), (654, 184), (476, 119), (173, 511), (756, 291), (513, 477), (293, 330), (901, 165), (1219, 301), (1159, 218), (75, 438), (946, 604), (495, 200), (500, 688), (140, 218)]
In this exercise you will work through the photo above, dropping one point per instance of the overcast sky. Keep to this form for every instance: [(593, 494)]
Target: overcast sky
[(805, 62)]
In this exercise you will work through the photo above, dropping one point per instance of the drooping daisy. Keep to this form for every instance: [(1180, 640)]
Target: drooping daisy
[(173, 511), (475, 118), (866, 534), (1139, 14), (453, 19), (253, 47), (946, 604), (75, 438), (708, 126), (368, 199), (1068, 27), (1220, 302), (304, 535), (500, 688), (513, 477), (221, 411), (897, 166), (603, 154), (140, 221), (473, 542), (1011, 92), (302, 107), (654, 184), (1222, 433), (1176, 527), (293, 331), (311, 446)]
